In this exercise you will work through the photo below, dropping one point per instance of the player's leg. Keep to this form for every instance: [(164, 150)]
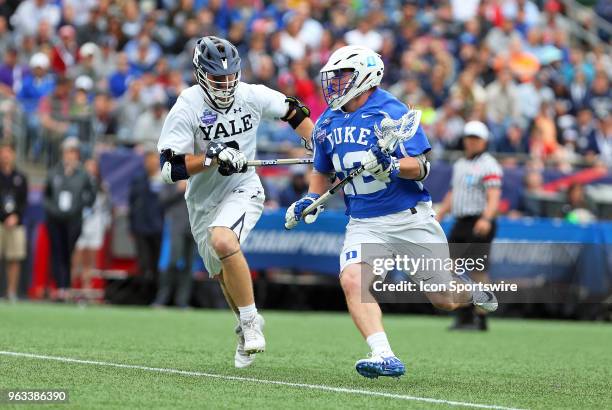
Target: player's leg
[(429, 235), (241, 358), (367, 316), (235, 218), (237, 279)]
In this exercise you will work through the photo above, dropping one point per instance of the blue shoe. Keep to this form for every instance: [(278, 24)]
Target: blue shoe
[(375, 366)]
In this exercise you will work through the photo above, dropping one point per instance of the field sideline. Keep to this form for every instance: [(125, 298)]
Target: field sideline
[(142, 358)]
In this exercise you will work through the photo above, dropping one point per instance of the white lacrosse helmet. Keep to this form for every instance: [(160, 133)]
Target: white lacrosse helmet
[(349, 72)]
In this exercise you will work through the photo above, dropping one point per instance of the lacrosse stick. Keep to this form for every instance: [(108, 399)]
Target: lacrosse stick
[(390, 134), (287, 161)]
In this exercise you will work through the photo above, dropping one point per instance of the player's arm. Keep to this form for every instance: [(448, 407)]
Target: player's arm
[(484, 223), (493, 189), (415, 168), (289, 109), (319, 183), (176, 167), (298, 116)]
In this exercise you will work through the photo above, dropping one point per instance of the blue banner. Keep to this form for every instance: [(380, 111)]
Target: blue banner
[(539, 249)]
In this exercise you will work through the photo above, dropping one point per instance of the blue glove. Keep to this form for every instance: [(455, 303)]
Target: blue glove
[(294, 212)]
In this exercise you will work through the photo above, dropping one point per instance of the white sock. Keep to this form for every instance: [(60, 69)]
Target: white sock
[(379, 344), (247, 313)]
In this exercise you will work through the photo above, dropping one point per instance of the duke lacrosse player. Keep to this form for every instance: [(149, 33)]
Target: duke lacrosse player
[(387, 204), (207, 138)]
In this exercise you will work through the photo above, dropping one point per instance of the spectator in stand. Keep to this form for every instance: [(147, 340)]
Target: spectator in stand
[(146, 216), (604, 140), (6, 39), (599, 97), (586, 141), (104, 121), (64, 54), (149, 125), (499, 38), (297, 188), (530, 201), (129, 109), (577, 210), (178, 273), (119, 80), (364, 35), (30, 13), (469, 92), (512, 8), (513, 142), (11, 73), (502, 103), (543, 142), (36, 84), (142, 52), (88, 64), (55, 119), (291, 43), (13, 202), (96, 219), (68, 191)]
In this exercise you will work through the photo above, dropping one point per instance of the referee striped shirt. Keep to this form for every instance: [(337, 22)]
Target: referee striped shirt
[(471, 178)]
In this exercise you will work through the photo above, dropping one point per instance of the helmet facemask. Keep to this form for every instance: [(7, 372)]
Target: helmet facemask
[(336, 84), (219, 88)]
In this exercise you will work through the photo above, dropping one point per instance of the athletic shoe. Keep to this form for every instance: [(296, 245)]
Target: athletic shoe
[(241, 358), (482, 299), (485, 300), (254, 341), (375, 366)]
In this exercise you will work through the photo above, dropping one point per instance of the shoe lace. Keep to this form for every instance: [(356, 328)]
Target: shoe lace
[(248, 329)]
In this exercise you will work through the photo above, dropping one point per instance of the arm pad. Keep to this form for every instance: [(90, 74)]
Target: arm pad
[(301, 112), (173, 167), (424, 167)]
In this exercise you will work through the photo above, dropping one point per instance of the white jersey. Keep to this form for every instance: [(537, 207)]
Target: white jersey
[(192, 123)]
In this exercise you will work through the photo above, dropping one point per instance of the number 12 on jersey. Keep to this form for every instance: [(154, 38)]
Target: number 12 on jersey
[(362, 184)]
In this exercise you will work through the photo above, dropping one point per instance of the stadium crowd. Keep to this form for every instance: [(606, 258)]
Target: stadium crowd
[(107, 72)]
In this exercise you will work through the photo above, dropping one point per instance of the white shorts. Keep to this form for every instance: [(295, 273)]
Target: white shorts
[(92, 235), (417, 235), (239, 211)]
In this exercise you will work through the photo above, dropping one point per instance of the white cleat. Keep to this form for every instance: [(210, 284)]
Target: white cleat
[(254, 341), (241, 358), (482, 299), (485, 301)]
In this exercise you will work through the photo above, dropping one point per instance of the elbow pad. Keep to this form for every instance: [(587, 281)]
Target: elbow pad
[(424, 167), (301, 112), (173, 167)]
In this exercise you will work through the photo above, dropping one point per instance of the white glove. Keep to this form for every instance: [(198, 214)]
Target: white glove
[(294, 212), (380, 164), (233, 158)]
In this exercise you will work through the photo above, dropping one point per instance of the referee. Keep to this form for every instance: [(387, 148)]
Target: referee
[(473, 200)]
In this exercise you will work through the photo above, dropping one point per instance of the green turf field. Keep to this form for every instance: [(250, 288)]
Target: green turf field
[(518, 364)]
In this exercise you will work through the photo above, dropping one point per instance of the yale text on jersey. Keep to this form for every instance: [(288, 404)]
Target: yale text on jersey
[(230, 129)]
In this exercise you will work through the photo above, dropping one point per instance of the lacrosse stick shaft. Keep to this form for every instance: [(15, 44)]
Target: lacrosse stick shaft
[(285, 161)]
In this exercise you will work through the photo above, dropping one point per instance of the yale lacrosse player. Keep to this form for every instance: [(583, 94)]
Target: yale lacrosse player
[(207, 138), (387, 204)]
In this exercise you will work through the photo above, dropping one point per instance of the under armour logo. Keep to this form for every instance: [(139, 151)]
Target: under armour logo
[(237, 110)]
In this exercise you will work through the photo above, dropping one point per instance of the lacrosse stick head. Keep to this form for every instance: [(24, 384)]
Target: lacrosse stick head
[(392, 132)]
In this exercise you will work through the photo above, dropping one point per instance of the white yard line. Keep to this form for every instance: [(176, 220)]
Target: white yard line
[(253, 380)]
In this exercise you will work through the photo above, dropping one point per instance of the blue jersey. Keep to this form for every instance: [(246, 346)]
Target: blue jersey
[(341, 139)]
